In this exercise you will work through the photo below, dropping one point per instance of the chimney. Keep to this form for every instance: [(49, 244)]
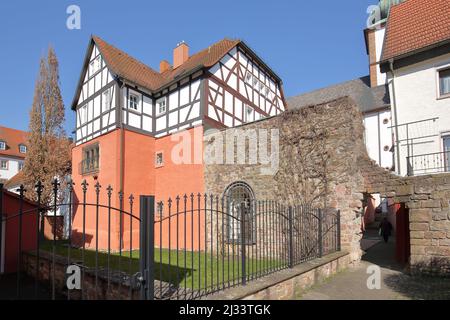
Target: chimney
[(180, 54), (164, 65)]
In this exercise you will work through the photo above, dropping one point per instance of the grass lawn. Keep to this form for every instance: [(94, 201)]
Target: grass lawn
[(195, 270)]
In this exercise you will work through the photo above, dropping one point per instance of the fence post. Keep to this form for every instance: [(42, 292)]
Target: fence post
[(291, 238), (320, 235), (338, 223), (1, 227), (243, 251), (147, 246)]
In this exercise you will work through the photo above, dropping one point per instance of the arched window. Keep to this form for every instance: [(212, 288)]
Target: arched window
[(241, 205)]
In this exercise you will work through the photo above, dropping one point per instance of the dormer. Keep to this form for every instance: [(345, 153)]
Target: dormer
[(2, 145), (22, 148)]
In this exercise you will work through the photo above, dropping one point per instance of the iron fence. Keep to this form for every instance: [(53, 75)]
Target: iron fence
[(206, 243), (187, 247), (437, 162)]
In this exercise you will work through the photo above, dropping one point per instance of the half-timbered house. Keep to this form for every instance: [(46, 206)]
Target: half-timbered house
[(127, 114)]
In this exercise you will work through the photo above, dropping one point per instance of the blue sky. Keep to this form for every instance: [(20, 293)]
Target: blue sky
[(309, 44)]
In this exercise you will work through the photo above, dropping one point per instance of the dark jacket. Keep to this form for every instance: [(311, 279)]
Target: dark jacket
[(386, 228)]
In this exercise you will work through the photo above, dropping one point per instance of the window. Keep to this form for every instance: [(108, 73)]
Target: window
[(444, 83), (261, 87), (248, 114), (248, 77), (241, 207), (161, 106), (21, 164), (83, 114), (255, 82), (94, 66), (91, 159), (133, 101), (4, 164), (107, 100), (2, 145), (22, 148), (159, 159)]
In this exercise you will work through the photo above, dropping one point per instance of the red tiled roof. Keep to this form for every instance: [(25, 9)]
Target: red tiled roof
[(133, 70), (13, 139), (15, 181), (414, 25)]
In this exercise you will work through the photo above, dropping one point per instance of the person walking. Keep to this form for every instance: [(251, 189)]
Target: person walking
[(385, 229)]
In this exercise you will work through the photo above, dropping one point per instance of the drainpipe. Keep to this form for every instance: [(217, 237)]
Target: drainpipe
[(394, 107), (122, 160)]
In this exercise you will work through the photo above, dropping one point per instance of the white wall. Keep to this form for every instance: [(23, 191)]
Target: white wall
[(416, 98), (13, 168), (260, 91), (379, 40), (378, 137), (93, 117)]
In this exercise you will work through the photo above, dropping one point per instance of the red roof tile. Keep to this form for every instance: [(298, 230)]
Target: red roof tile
[(13, 139), (15, 181), (414, 25), (137, 72)]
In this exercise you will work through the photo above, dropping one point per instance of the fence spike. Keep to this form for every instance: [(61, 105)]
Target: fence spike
[(84, 185), (97, 188), (110, 190)]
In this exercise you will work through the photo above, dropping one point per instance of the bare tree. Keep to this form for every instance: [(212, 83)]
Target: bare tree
[(48, 154)]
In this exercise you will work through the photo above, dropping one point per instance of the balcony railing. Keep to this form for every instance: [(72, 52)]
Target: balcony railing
[(88, 166), (430, 163)]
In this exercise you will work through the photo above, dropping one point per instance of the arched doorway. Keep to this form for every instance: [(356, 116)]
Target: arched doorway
[(240, 200)]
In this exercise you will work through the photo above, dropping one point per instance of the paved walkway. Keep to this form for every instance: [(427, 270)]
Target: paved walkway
[(395, 285)]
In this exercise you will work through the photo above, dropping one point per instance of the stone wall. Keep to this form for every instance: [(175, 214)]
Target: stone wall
[(318, 157), (323, 162), (290, 283), (92, 291)]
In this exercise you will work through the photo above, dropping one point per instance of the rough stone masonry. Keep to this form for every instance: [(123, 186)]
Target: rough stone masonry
[(323, 162)]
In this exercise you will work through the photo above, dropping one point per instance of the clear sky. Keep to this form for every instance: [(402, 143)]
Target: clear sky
[(309, 44)]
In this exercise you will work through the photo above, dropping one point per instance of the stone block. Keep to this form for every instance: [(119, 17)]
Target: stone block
[(423, 189), (417, 234), (435, 234), (418, 250), (405, 190), (420, 242), (440, 226), (419, 227), (420, 215), (430, 203), (444, 242)]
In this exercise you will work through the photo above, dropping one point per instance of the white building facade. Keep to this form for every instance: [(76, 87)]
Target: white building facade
[(12, 152)]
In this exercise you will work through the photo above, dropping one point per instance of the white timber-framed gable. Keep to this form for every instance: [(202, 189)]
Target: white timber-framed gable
[(96, 100), (241, 90), (178, 107), (137, 109)]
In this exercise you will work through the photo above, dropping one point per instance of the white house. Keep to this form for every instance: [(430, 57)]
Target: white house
[(12, 152), (416, 61)]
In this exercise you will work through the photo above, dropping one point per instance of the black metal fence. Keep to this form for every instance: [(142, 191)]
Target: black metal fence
[(183, 248), (206, 243), (437, 162)]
